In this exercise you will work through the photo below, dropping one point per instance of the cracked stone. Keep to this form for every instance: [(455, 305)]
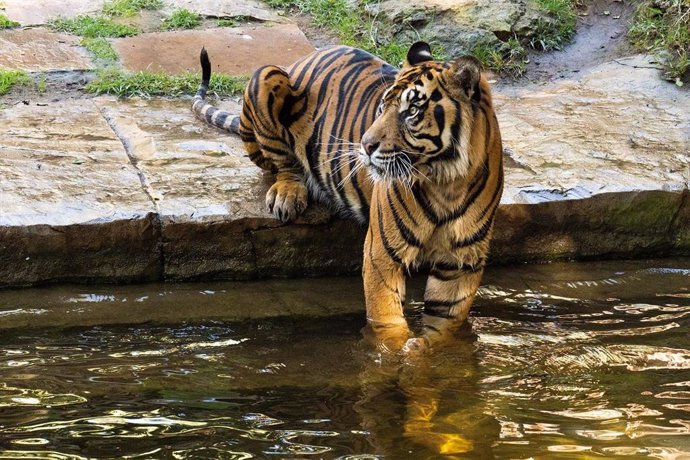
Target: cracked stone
[(63, 165), (211, 199), (71, 204), (617, 129), (562, 199)]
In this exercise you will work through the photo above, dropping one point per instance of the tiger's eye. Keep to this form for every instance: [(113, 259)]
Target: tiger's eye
[(413, 110)]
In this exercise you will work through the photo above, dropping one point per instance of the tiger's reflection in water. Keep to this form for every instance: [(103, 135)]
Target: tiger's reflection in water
[(415, 407)]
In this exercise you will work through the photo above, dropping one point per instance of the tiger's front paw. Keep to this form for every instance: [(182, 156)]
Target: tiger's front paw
[(287, 199), (416, 346)]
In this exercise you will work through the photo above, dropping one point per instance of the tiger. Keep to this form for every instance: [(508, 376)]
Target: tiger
[(415, 153)]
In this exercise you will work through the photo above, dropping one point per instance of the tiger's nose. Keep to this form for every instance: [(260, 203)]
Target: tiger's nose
[(369, 147)]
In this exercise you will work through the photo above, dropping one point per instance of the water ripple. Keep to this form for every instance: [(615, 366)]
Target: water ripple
[(17, 397)]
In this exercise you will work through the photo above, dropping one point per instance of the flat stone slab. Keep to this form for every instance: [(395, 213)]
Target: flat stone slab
[(71, 203), (233, 51), (38, 12), (226, 8), (40, 50), (617, 129), (62, 164), (192, 170)]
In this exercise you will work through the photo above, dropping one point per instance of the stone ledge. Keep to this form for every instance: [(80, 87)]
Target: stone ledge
[(119, 251), (261, 248), (595, 168), (610, 225), (628, 225)]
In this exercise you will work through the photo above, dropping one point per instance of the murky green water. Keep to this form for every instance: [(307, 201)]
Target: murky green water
[(560, 361)]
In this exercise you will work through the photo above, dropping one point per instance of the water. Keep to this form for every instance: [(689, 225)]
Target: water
[(560, 361)]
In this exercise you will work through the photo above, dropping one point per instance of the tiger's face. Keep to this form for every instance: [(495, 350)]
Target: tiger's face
[(424, 120)]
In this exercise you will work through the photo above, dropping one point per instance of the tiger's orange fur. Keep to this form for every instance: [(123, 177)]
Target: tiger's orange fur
[(416, 153)]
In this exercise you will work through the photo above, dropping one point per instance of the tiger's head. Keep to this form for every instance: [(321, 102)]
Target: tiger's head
[(424, 120)]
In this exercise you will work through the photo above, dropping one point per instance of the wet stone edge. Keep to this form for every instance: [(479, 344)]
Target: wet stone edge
[(155, 248), (117, 251)]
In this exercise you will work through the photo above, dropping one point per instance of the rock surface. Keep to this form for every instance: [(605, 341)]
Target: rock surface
[(41, 50), (459, 25), (234, 51), (225, 9), (39, 12), (600, 166), (71, 203), (616, 129)]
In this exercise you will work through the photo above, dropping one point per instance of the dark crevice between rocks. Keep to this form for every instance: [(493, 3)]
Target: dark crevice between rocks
[(130, 155), (679, 228), (155, 216), (249, 234)]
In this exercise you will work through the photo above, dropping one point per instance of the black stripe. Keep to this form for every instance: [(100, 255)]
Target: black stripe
[(354, 181), (405, 232), (274, 72), (483, 230), (335, 175), (423, 201), (396, 189), (209, 115), (455, 270), (221, 118), (312, 151), (456, 127), (434, 303), (324, 61), (477, 186), (389, 249), (274, 150), (440, 308)]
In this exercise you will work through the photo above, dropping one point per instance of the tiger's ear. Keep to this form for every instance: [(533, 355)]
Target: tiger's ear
[(418, 53), (466, 72)]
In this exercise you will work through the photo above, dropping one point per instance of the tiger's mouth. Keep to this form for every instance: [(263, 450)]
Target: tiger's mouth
[(394, 166)]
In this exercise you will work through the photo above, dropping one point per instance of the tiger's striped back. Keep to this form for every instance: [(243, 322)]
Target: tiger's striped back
[(345, 86), (311, 116)]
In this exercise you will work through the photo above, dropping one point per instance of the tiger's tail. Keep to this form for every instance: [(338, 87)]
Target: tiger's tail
[(207, 112)]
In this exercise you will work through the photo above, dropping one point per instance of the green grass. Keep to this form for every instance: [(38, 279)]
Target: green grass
[(10, 78), (232, 22), (507, 58), (663, 28), (92, 27), (549, 35), (42, 84), (7, 23), (127, 8), (353, 26), (146, 84), (181, 19), (100, 47)]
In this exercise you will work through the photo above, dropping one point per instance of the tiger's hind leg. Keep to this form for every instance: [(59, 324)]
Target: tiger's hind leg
[(449, 293), (267, 114)]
